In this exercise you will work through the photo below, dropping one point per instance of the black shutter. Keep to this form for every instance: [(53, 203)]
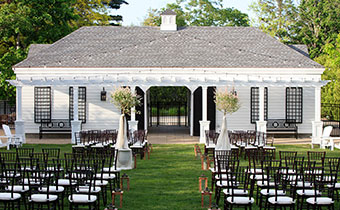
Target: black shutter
[(81, 104), (42, 104), (294, 96), (255, 104)]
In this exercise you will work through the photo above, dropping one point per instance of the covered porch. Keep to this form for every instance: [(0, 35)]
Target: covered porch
[(202, 79)]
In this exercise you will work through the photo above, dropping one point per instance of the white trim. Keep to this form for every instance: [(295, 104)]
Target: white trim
[(317, 98), (204, 103), (156, 80), (175, 70)]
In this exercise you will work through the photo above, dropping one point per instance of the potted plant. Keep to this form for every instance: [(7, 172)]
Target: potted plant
[(228, 103), (124, 100)]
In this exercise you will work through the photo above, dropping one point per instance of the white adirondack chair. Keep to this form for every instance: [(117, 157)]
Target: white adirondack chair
[(11, 139), (327, 140)]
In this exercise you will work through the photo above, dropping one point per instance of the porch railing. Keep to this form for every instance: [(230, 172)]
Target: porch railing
[(168, 114), (330, 115)]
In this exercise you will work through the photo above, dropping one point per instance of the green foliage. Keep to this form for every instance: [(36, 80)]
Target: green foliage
[(90, 12), (168, 94), (199, 13), (7, 92), (276, 17), (318, 24), (23, 22), (114, 20), (331, 60)]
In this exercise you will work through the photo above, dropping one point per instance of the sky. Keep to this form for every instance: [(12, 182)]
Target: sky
[(136, 11)]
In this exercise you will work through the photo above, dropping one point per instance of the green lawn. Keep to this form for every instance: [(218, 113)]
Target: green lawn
[(169, 180)]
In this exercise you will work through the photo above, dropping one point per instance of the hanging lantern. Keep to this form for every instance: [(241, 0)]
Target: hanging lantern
[(103, 95)]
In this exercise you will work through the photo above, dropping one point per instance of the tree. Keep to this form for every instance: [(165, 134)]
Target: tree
[(276, 17), (199, 13), (318, 24), (23, 22), (90, 12), (115, 4), (331, 60), (7, 92)]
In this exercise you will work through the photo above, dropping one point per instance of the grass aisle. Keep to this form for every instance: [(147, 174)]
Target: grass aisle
[(169, 180)]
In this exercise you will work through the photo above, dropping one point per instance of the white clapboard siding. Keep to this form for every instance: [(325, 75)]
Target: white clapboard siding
[(99, 114), (276, 109), (28, 110), (240, 119), (103, 114)]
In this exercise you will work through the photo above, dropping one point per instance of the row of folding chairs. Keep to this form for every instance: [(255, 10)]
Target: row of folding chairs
[(242, 140), (84, 178), (96, 137), (289, 181)]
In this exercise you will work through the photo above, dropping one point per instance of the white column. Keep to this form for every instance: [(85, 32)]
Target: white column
[(19, 103), (204, 123), (261, 104), (317, 104), (133, 124), (145, 110), (261, 125), (19, 123), (192, 113), (204, 103), (76, 124), (75, 103), (317, 123)]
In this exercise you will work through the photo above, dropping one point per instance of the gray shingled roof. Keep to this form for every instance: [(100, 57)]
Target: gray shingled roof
[(208, 47), (301, 48), (169, 12), (36, 48)]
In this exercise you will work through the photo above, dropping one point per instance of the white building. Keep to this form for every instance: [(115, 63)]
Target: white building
[(273, 80)]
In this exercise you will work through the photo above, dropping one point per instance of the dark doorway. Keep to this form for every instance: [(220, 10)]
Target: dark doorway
[(140, 109), (168, 106), (211, 115)]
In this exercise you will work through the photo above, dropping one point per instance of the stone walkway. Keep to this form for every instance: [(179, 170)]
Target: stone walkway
[(163, 135)]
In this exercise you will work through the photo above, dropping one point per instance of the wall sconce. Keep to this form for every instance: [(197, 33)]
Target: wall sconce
[(103, 95)]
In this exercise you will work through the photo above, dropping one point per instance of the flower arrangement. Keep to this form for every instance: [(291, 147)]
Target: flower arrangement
[(124, 99), (227, 102)]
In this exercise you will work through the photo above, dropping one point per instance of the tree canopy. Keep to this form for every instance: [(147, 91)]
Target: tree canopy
[(199, 13), (24, 22), (331, 60), (318, 24), (276, 18)]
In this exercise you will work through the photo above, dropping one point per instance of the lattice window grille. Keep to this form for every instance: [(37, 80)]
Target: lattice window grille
[(294, 106), (42, 104), (255, 104), (81, 104)]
